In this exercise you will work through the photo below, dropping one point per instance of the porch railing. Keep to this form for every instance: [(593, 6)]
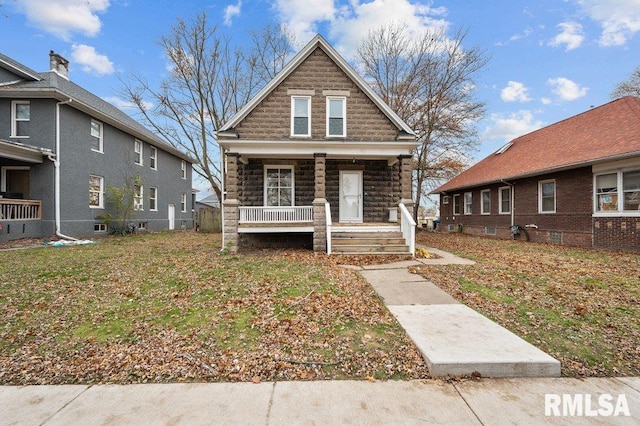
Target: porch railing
[(276, 214), (408, 227), (11, 209)]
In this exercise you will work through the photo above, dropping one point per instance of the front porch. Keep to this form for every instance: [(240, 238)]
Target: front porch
[(391, 237)]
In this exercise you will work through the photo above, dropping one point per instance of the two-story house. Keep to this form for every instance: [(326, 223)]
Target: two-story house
[(61, 148), (318, 159)]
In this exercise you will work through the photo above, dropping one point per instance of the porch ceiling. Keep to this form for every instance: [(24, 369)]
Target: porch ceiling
[(22, 152), (389, 150)]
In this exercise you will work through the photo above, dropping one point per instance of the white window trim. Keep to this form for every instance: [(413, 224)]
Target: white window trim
[(620, 181), (183, 169), (153, 158), (183, 203), (344, 116), (14, 118), (465, 203), (101, 195), (3, 175), (293, 105), (456, 196), (500, 199), (482, 211), (445, 199), (293, 182), (100, 138), (555, 196), (138, 200), (138, 154), (152, 190), (102, 228)]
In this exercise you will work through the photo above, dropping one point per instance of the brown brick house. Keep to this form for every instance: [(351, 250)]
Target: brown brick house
[(317, 159), (575, 182)]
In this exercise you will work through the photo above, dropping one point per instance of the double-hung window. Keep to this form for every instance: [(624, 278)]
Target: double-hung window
[(504, 199), (96, 136), (456, 204), (631, 190), (153, 199), (607, 192), (183, 203), (618, 192), (468, 203), (547, 196), (137, 148), (153, 157), (485, 198), (20, 119), (138, 192), (278, 186), (300, 116), (336, 116), (96, 192), (183, 169)]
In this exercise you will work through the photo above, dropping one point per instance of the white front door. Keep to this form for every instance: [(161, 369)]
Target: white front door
[(172, 217), (351, 196)]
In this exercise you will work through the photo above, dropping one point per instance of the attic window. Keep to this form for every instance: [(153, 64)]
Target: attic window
[(504, 148)]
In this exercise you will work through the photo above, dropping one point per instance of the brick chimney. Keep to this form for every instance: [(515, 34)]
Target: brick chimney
[(59, 64)]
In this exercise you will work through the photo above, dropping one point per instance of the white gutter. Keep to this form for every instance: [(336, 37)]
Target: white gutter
[(56, 164)]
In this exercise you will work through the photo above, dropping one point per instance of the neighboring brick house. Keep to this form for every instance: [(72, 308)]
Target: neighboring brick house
[(318, 143), (61, 147), (575, 182)]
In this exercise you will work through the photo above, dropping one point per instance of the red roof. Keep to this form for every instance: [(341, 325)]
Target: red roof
[(604, 133)]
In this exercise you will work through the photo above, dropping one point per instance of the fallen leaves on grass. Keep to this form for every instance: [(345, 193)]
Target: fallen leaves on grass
[(581, 306), (171, 308)]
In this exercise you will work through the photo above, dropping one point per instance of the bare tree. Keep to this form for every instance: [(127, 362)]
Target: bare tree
[(209, 81), (429, 83), (629, 87)]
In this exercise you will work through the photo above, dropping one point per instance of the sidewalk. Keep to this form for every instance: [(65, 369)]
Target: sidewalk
[(454, 339), (485, 402)]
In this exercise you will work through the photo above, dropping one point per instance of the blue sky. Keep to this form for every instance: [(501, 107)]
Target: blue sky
[(549, 60)]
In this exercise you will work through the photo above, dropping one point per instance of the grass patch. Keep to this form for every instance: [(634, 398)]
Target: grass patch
[(170, 307), (579, 305)]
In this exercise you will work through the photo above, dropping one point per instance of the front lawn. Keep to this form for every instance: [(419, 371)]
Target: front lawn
[(581, 306), (170, 307)]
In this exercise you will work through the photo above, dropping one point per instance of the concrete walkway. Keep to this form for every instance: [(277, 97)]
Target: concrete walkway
[(454, 339), (484, 402)]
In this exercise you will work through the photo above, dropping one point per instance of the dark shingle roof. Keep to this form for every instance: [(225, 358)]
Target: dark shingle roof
[(51, 84), (601, 134)]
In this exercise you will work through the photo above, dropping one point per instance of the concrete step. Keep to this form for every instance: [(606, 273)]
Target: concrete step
[(349, 235), (369, 249), (368, 241)]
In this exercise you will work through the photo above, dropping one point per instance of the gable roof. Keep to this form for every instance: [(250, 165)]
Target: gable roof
[(51, 85), (606, 133), (317, 42)]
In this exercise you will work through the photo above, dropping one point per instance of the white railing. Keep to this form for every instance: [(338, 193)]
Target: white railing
[(20, 209), (327, 214), (276, 214), (408, 226)]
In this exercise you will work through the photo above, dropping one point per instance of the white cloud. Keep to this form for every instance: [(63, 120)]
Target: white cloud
[(302, 17), (566, 89), (349, 22), (126, 105), (231, 12), (619, 19), (515, 92), (510, 126), (570, 36), (64, 17), (90, 60)]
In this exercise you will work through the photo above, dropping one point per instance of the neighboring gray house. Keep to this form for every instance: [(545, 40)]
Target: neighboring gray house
[(61, 147)]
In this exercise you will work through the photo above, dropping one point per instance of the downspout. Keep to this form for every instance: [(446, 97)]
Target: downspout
[(222, 179), (56, 180)]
